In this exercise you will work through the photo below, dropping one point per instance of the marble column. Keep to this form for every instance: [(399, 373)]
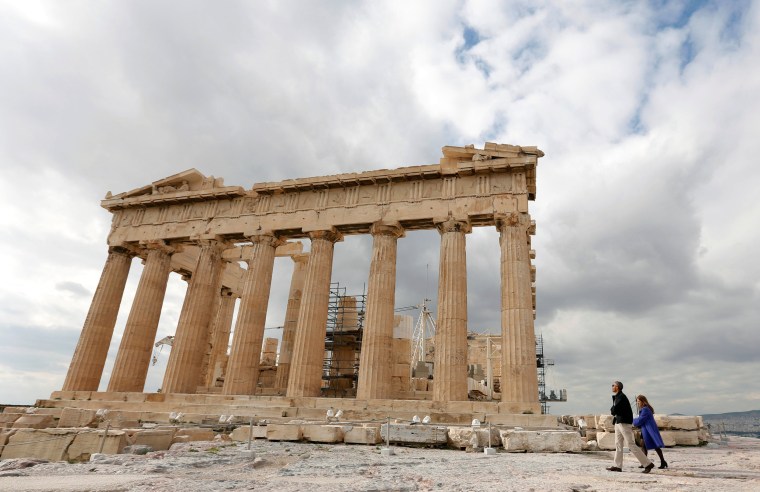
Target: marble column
[(220, 337), (192, 336), (291, 319), (375, 369), (243, 366), (90, 355), (519, 375), (450, 370), (309, 344), (133, 359)]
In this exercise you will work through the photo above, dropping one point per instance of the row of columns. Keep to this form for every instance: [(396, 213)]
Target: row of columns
[(202, 334)]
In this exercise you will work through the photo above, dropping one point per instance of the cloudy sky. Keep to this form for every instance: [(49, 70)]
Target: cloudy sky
[(647, 210)]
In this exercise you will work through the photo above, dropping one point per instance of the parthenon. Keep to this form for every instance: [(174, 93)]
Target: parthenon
[(202, 229)]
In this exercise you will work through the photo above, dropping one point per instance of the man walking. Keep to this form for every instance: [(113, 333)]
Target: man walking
[(622, 417)]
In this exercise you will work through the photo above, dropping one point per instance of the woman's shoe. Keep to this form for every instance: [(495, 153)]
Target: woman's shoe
[(663, 465)]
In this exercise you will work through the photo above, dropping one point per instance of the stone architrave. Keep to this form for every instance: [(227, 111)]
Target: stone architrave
[(291, 319), (243, 365), (450, 362), (90, 355), (309, 345), (191, 339), (375, 366), (133, 358), (220, 336), (519, 375)]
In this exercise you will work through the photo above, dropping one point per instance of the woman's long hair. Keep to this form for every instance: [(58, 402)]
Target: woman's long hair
[(645, 402)]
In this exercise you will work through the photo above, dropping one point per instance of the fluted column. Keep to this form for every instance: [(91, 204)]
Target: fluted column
[(291, 319), (450, 371), (133, 359), (86, 366), (519, 375), (375, 370), (220, 337), (309, 344), (243, 366), (191, 339)]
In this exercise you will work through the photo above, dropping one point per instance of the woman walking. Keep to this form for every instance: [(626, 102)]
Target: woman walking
[(649, 432)]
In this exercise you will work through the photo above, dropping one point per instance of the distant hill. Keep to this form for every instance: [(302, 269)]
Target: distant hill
[(737, 423)]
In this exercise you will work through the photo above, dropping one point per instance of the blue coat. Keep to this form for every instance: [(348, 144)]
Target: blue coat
[(649, 431)]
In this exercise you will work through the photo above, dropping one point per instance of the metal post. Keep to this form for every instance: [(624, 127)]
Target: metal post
[(105, 434), (250, 434)]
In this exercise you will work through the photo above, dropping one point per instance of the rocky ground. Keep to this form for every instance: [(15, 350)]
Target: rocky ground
[(286, 466)]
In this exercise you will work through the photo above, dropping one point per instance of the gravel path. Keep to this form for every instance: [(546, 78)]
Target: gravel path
[(284, 466)]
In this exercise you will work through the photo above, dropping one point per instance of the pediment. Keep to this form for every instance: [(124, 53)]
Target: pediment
[(190, 180), (190, 185)]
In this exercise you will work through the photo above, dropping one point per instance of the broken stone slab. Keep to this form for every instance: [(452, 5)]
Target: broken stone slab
[(469, 437), (284, 432), (604, 422), (34, 421), (159, 439), (244, 431), (76, 417), (415, 434), (44, 444), (364, 434), (7, 419), (681, 437), (605, 440), (189, 434), (548, 441), (88, 442), (322, 433)]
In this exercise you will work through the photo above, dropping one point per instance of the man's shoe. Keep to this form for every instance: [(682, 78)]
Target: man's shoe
[(615, 468), (648, 468)]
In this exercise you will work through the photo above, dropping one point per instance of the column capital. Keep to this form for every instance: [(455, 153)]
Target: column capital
[(161, 245), (452, 225), (300, 258), (218, 243), (513, 219), (387, 229), (331, 235), (123, 250), (267, 239)]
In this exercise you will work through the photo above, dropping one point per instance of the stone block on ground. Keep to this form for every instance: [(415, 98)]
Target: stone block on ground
[(683, 422), (44, 444), (550, 441), (88, 442), (322, 433), (242, 433), (194, 434), (604, 422), (685, 438), (159, 439), (605, 440), (76, 417), (668, 439), (7, 419), (284, 432), (522, 420), (469, 437), (415, 434), (34, 421), (364, 434)]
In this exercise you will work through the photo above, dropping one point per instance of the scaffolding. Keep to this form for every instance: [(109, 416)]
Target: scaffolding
[(343, 340), (542, 363)]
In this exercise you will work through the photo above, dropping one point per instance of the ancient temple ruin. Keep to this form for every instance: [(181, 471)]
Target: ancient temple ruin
[(198, 227)]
